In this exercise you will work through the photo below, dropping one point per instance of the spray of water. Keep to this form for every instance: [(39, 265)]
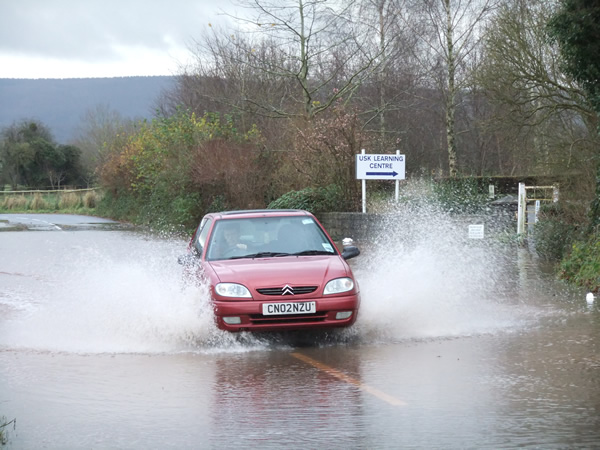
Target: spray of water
[(103, 292), (422, 277), (110, 292)]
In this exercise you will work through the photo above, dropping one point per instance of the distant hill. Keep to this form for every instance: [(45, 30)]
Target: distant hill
[(60, 104)]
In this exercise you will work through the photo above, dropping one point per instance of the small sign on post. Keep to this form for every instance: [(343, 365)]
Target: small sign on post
[(476, 231)]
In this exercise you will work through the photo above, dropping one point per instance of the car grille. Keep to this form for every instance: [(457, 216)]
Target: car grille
[(259, 319), (298, 290)]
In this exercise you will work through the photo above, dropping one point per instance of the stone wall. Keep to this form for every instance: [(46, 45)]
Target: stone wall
[(356, 225), (361, 227)]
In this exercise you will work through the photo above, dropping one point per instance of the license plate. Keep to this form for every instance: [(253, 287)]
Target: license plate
[(273, 309)]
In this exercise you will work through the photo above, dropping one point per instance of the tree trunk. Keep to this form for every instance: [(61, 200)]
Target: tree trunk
[(451, 95), (382, 75), (303, 75)]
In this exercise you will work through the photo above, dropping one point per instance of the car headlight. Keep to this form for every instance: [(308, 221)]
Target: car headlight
[(232, 290), (338, 286)]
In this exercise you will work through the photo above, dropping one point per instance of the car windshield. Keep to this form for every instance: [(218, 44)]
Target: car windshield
[(267, 237)]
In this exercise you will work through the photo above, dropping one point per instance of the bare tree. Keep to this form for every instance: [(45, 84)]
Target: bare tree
[(292, 58), (396, 74), (525, 67), (448, 44), (99, 127), (521, 73)]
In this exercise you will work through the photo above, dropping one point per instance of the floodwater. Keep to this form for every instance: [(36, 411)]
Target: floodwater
[(459, 344)]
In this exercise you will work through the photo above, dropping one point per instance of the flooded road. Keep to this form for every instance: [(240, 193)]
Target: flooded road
[(459, 344)]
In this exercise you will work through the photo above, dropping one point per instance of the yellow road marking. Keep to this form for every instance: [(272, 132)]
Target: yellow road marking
[(342, 376)]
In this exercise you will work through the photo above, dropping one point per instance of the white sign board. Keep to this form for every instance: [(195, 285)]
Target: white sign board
[(476, 231), (380, 167)]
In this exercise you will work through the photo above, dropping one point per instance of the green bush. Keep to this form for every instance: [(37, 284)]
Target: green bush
[(218, 204), (582, 266), (160, 209), (186, 210), (164, 209), (555, 231), (119, 207), (314, 200)]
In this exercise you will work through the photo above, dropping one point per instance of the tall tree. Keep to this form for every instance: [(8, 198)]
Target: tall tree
[(384, 94), (18, 150), (576, 27), (30, 156), (99, 127), (546, 110), (449, 43), (14, 157)]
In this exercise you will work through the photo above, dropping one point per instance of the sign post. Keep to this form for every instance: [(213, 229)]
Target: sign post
[(397, 190), (364, 187), (379, 167)]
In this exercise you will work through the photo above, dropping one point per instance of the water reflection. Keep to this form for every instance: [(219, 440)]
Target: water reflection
[(551, 377), (271, 400)]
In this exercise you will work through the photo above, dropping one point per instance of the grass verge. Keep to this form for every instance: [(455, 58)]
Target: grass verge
[(84, 202)]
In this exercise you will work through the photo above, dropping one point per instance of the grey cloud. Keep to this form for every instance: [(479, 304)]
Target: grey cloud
[(89, 30)]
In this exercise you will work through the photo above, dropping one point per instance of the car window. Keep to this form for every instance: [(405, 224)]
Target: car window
[(203, 230), (238, 238)]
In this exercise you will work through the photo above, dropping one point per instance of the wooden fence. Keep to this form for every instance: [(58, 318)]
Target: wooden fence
[(48, 191)]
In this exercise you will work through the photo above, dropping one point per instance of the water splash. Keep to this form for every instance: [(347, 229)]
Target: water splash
[(424, 278), (121, 292), (111, 292)]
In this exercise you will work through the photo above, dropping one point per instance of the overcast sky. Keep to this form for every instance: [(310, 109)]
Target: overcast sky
[(101, 38)]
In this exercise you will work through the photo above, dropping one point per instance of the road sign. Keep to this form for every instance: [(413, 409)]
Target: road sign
[(380, 167)]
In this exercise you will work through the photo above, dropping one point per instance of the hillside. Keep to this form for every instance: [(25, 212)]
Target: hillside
[(60, 104)]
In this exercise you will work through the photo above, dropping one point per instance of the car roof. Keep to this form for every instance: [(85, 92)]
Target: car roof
[(252, 213)]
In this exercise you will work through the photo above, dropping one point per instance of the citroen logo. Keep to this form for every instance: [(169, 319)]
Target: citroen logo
[(287, 290)]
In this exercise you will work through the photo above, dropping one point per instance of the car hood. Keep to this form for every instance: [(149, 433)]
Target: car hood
[(292, 270)]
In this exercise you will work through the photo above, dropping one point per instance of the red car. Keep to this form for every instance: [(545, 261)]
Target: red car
[(273, 270)]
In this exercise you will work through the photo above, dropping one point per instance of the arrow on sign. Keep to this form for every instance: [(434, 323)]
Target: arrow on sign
[(385, 174)]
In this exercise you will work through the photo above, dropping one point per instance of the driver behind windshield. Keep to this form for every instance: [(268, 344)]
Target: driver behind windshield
[(230, 245)]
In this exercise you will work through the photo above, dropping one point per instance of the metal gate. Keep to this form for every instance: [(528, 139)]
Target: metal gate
[(529, 201)]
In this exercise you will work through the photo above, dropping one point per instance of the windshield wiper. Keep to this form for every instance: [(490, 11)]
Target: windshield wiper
[(313, 252), (279, 254), (261, 255)]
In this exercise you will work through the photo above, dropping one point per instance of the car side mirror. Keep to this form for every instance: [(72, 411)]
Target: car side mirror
[(350, 252)]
